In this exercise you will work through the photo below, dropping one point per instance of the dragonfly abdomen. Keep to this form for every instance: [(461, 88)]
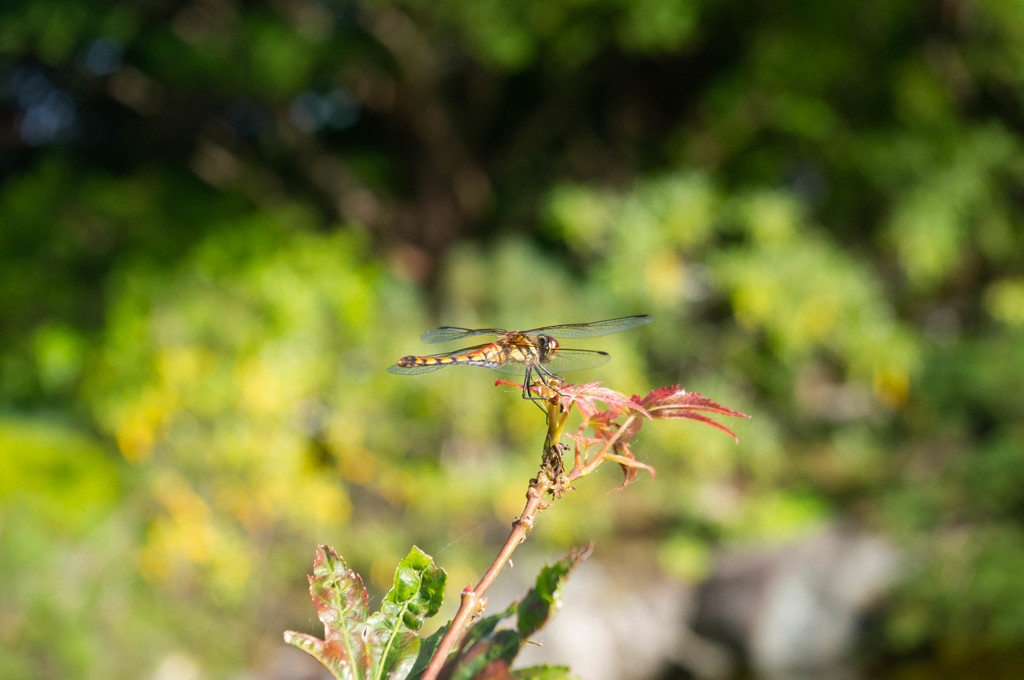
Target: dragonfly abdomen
[(489, 356), (468, 359)]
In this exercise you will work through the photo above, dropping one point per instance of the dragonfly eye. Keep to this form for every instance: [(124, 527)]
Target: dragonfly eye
[(547, 344)]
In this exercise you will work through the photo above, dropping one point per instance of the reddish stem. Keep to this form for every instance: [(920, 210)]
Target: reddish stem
[(473, 601)]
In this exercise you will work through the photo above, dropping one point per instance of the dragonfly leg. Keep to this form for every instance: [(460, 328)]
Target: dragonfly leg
[(527, 392), (541, 372)]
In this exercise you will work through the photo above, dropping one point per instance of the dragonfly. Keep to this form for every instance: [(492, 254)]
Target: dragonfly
[(535, 352)]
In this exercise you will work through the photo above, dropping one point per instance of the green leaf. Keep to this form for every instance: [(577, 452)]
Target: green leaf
[(358, 646), (490, 657), (487, 653), (427, 648), (485, 627), (546, 597), (416, 595)]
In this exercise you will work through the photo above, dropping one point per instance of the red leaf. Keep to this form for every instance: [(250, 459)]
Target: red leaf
[(582, 440), (673, 403), (584, 396), (680, 398), (342, 606), (659, 393), (629, 464)]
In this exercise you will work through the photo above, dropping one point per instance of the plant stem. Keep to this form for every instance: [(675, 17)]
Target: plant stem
[(473, 601)]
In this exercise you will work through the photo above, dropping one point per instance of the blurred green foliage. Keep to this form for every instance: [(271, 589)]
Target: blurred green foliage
[(220, 222)]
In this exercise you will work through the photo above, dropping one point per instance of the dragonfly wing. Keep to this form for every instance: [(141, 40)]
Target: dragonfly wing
[(564, 360), (575, 360), (594, 328), (414, 370), (511, 367), (446, 333)]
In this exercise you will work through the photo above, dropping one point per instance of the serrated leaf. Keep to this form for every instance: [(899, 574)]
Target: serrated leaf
[(357, 646), (546, 596), (342, 605), (487, 653), (676, 398), (486, 626), (416, 595), (671, 403), (584, 398)]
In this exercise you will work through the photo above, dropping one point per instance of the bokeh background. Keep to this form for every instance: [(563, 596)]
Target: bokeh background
[(220, 221)]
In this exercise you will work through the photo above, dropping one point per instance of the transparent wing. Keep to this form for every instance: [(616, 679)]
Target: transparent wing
[(415, 370), (564, 360), (446, 333), (575, 360), (594, 328)]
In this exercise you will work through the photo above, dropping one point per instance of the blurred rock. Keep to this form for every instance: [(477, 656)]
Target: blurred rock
[(795, 610), (612, 626)]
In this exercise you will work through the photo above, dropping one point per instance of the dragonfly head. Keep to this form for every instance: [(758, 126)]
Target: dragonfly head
[(547, 346)]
